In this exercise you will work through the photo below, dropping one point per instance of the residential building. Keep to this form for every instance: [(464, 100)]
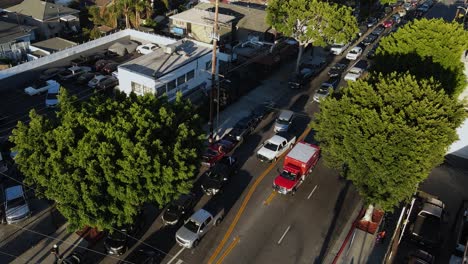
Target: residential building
[(184, 66), (50, 20), (48, 46), (237, 23), (15, 40)]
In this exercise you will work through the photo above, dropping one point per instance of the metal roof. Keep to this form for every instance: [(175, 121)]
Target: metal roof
[(159, 63), (303, 152)]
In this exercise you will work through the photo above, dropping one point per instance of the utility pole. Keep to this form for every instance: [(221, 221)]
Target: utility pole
[(215, 38)]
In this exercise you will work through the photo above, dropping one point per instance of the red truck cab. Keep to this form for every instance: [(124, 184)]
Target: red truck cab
[(298, 164)]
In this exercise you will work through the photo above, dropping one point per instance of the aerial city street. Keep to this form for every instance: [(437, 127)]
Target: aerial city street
[(222, 131)]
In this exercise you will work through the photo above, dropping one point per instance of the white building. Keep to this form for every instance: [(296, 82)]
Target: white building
[(184, 66)]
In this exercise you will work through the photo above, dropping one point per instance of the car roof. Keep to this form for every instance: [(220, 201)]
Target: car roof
[(200, 216), (14, 192), (285, 114), (53, 89), (276, 139), (74, 68)]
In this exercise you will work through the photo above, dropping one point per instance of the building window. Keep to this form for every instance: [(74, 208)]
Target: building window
[(171, 85), (181, 80), (208, 66), (140, 88), (190, 75)]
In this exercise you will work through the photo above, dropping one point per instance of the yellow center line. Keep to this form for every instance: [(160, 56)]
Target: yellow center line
[(270, 198), (228, 250), (245, 201)]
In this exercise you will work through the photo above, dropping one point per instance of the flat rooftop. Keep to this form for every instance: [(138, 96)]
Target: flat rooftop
[(160, 62), (201, 17), (54, 44)]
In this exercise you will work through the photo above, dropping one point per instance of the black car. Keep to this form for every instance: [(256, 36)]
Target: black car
[(244, 127), (371, 53), (338, 68), (316, 66), (371, 21), (178, 209), (82, 61), (73, 258), (300, 79), (85, 77), (116, 242), (215, 178), (369, 39), (51, 73), (263, 109), (109, 83), (378, 30)]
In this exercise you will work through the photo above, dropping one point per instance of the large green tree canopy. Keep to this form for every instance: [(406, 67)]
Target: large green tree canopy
[(101, 160), (426, 48), (312, 22), (390, 132)]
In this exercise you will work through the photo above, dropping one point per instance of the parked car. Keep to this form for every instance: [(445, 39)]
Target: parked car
[(85, 77), (108, 83), (116, 242), (39, 87), (326, 88), (200, 223), (338, 48), (244, 127), (338, 68), (371, 21), (215, 178), (52, 96), (284, 121), (50, 73), (356, 71), (424, 8), (16, 205), (315, 66), (371, 53), (81, 61), (354, 53), (73, 72), (147, 48), (426, 229), (378, 30), (100, 64), (177, 209), (299, 80), (211, 156), (396, 18), (407, 6), (263, 109), (420, 257), (73, 258), (110, 67), (97, 80), (369, 39), (388, 23), (275, 146)]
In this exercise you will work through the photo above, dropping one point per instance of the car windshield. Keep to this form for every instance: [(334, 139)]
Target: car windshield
[(271, 146), (210, 152), (66, 72), (337, 46), (282, 121), (323, 90), (192, 226), (354, 51), (51, 96), (214, 175), (173, 207), (354, 71), (288, 175), (39, 84), (118, 235), (16, 202)]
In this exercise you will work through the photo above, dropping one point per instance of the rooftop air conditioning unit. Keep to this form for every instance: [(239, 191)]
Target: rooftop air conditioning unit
[(169, 49)]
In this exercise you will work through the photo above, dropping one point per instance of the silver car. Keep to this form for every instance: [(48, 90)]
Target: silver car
[(284, 120), (16, 206)]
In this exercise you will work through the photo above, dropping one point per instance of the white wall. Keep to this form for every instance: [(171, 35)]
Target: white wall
[(460, 147)]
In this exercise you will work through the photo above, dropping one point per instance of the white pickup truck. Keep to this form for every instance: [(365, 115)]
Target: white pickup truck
[(190, 234), (41, 87), (274, 147)]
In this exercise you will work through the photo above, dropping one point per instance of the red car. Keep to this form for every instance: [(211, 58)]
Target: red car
[(217, 151), (388, 23)]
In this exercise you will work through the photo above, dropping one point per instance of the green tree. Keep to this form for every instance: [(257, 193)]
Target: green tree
[(312, 22), (426, 48), (143, 7), (101, 160), (93, 33), (125, 7), (390, 133)]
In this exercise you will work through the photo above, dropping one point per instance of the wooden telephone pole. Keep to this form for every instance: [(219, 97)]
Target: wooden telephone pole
[(215, 38)]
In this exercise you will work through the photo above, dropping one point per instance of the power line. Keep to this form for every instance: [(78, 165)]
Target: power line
[(134, 238)]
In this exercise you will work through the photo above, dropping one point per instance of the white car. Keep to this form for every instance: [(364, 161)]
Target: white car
[(353, 74), (41, 87), (354, 53), (97, 80), (51, 98), (338, 48), (147, 48), (16, 206), (274, 147)]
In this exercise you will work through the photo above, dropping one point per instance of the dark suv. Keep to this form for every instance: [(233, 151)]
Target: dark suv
[(215, 178), (177, 209)]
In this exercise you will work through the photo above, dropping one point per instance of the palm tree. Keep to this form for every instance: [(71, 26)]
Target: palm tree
[(125, 7)]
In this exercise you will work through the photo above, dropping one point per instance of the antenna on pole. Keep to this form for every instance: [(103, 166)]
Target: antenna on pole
[(215, 38)]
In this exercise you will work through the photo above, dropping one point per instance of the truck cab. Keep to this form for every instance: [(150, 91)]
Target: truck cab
[(196, 227), (298, 164)]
